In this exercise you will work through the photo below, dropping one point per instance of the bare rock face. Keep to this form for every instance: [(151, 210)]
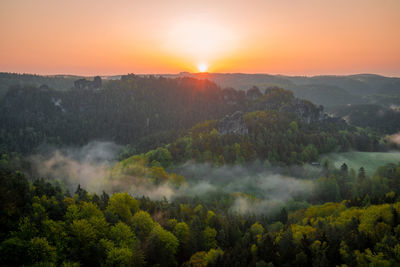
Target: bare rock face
[(88, 85), (96, 82), (254, 93), (233, 124), (305, 110)]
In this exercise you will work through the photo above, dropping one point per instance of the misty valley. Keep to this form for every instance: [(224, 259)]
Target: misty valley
[(199, 170)]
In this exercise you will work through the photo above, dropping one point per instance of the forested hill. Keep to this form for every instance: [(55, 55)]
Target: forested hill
[(121, 111), (130, 109), (343, 96), (365, 100), (142, 211), (327, 90), (58, 82)]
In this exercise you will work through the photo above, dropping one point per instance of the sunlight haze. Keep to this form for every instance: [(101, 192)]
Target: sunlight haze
[(302, 37)]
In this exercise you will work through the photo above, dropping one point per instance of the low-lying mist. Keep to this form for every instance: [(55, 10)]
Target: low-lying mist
[(395, 138), (255, 188), (85, 165)]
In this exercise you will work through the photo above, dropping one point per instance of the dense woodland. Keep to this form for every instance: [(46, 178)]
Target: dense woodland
[(149, 112), (364, 100), (343, 218), (377, 117), (340, 95), (327, 90), (46, 226), (58, 82), (273, 137), (124, 111)]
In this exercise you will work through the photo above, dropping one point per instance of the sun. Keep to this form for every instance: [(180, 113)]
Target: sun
[(198, 40), (202, 67)]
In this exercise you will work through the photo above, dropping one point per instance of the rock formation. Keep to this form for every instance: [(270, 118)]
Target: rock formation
[(306, 110), (253, 93), (88, 85), (233, 124)]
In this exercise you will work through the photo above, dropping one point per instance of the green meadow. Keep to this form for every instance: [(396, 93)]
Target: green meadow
[(369, 160)]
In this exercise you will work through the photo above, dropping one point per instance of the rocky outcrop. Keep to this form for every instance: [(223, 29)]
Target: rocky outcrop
[(254, 93), (84, 84), (305, 110), (233, 97), (233, 124)]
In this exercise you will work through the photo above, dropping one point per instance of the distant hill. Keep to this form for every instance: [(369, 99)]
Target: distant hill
[(123, 111), (148, 112), (328, 90), (365, 100), (57, 82), (377, 117)]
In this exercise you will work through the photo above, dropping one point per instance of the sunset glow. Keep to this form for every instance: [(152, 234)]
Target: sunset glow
[(202, 67), (287, 37)]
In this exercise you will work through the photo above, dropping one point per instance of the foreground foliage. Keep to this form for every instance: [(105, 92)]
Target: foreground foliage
[(44, 226)]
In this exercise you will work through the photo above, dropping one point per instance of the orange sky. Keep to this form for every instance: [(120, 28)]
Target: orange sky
[(295, 37)]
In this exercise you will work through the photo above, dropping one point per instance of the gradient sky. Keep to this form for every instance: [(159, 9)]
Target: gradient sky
[(294, 37)]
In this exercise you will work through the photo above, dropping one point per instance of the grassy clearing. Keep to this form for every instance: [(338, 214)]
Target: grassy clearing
[(369, 160)]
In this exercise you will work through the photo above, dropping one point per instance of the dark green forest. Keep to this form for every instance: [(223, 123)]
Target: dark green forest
[(350, 219), (376, 96), (374, 116), (58, 82), (178, 171), (147, 112)]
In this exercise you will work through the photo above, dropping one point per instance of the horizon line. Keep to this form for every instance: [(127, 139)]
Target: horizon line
[(202, 73)]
